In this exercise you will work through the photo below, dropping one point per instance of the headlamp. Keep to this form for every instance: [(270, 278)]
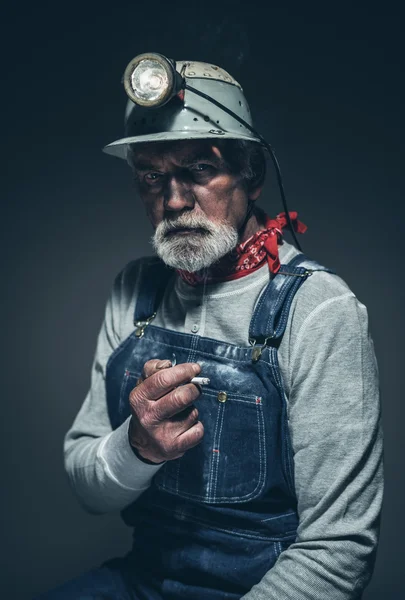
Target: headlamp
[(151, 80)]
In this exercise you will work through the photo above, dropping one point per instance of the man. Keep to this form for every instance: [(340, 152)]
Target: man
[(265, 482)]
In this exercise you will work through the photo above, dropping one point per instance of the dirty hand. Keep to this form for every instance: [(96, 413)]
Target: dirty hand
[(164, 423)]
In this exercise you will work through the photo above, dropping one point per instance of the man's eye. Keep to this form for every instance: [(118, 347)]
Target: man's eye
[(200, 167), (152, 178)]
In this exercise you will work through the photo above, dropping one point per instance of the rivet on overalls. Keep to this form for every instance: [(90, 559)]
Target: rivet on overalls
[(222, 396)]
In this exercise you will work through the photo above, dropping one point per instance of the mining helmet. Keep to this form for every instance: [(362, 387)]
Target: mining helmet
[(186, 100), (181, 100)]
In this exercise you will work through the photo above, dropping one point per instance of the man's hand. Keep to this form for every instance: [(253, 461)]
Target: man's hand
[(164, 423)]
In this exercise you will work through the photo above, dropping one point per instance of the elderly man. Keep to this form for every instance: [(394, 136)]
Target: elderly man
[(233, 415)]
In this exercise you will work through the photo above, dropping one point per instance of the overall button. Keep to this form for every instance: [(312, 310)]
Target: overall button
[(222, 396), (195, 328)]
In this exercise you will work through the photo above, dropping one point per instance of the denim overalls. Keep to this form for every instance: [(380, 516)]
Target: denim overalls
[(214, 521)]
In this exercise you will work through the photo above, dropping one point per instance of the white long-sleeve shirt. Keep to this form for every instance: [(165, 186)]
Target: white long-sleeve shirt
[(330, 375)]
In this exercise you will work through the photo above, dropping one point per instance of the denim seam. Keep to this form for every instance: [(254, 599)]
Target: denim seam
[(283, 301), (287, 535), (246, 348), (122, 388), (282, 293), (262, 446), (287, 459), (286, 305), (212, 460), (286, 456), (215, 462), (178, 477), (147, 300), (277, 517), (258, 309), (192, 350), (268, 293)]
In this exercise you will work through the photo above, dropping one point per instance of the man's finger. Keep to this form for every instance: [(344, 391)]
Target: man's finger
[(151, 367), (190, 438), (165, 380), (174, 403), (154, 365)]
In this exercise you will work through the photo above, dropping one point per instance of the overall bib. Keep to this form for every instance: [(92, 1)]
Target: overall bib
[(214, 521)]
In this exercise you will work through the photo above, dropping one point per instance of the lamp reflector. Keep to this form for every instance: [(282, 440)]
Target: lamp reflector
[(149, 81)]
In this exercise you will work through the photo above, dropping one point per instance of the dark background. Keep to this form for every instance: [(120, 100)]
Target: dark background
[(325, 85)]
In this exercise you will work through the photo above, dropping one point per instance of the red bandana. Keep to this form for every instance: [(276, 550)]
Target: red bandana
[(250, 255)]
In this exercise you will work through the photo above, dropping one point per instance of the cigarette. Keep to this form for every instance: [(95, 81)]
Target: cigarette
[(200, 380)]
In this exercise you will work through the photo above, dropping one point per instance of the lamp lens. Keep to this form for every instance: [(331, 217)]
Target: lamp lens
[(149, 80)]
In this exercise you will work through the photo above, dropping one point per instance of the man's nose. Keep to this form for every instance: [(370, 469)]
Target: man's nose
[(178, 194)]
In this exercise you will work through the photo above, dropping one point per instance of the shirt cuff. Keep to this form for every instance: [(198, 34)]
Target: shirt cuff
[(122, 463)]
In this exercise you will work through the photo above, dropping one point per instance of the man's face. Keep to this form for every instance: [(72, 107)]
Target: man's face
[(193, 200)]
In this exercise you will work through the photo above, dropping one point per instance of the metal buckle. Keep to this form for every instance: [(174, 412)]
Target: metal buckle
[(257, 352), (141, 325)]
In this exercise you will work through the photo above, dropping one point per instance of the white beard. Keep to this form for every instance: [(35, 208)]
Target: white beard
[(194, 251)]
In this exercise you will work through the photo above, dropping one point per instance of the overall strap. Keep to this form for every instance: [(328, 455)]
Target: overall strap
[(154, 279), (271, 313)]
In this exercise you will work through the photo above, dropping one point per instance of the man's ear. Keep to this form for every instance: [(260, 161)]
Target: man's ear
[(254, 193)]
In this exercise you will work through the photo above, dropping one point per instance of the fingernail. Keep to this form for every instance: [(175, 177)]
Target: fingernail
[(163, 364), (196, 368)]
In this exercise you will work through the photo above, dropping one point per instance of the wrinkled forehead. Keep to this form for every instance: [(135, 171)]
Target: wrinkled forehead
[(179, 151)]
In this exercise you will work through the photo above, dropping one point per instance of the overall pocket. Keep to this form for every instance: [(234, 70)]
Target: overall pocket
[(229, 464)]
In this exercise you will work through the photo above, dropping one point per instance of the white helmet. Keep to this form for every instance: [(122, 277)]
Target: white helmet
[(163, 105)]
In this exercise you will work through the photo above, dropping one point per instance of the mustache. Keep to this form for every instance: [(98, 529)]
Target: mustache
[(190, 222), (183, 227)]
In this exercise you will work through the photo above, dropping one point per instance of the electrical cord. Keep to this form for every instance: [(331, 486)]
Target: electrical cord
[(265, 144)]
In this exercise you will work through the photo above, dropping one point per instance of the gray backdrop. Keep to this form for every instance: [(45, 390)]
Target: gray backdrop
[(325, 86)]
